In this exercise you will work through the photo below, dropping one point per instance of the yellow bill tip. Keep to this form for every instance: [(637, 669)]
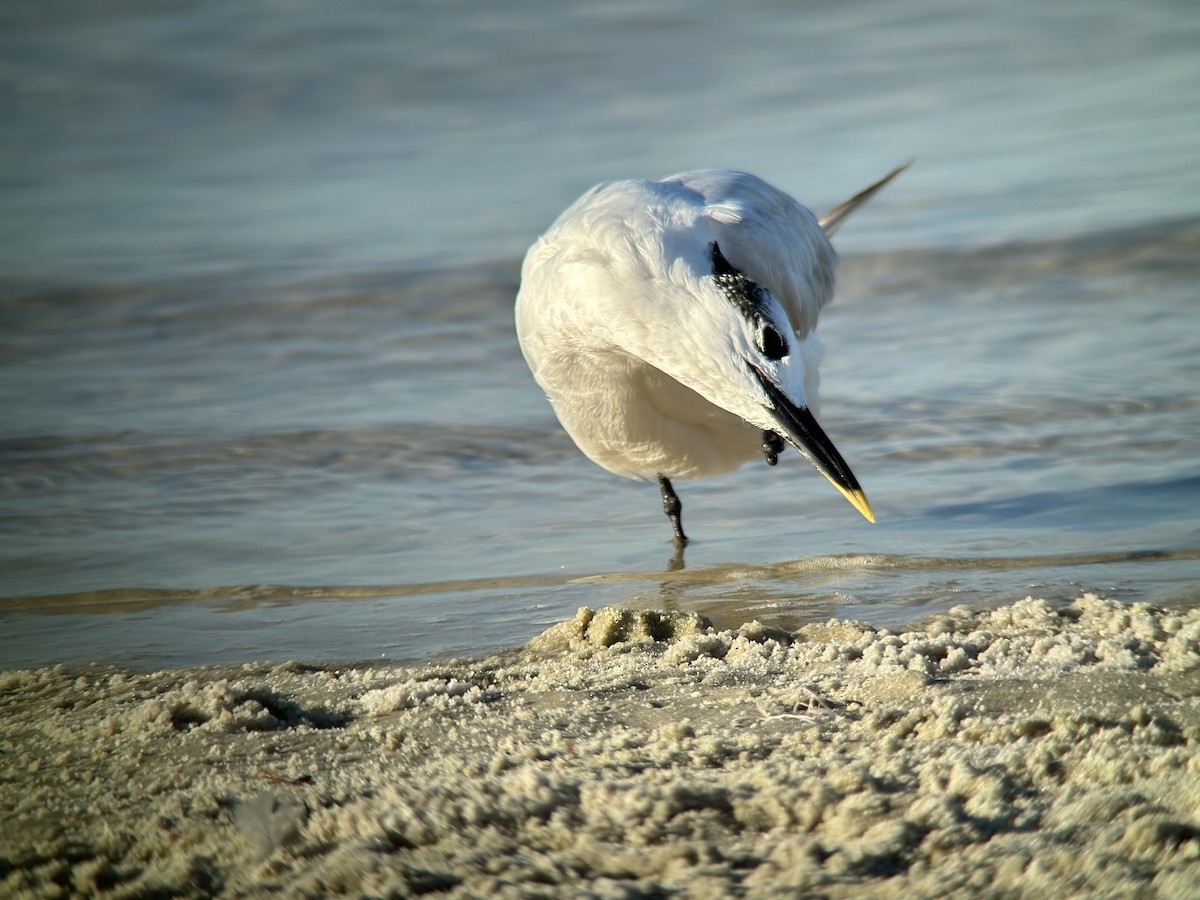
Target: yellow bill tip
[(859, 501)]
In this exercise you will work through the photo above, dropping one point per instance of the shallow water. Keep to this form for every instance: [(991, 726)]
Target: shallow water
[(262, 397)]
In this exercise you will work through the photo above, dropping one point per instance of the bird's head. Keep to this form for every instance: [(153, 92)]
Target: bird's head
[(757, 365)]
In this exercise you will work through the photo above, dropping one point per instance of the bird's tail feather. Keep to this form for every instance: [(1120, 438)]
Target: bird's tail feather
[(831, 221)]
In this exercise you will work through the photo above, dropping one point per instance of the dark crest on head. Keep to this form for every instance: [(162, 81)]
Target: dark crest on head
[(751, 300)]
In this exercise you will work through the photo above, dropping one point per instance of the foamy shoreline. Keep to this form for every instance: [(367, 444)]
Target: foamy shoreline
[(1031, 748)]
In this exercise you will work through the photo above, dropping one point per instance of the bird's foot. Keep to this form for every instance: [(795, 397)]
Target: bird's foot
[(772, 446)]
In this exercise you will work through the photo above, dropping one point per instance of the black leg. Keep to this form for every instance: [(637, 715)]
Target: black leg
[(672, 507), (772, 446)]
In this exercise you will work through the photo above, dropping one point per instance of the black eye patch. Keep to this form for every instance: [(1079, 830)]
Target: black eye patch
[(751, 300)]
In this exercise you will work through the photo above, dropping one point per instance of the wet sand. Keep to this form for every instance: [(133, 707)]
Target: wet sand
[(1034, 749)]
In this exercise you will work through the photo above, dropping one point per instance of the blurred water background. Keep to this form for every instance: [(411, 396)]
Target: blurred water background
[(261, 396)]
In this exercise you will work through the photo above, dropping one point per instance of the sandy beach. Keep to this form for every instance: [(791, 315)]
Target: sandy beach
[(1034, 749)]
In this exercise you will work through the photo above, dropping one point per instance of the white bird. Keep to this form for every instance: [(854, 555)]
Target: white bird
[(670, 325)]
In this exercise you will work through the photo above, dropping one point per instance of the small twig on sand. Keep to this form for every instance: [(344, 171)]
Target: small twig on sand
[(302, 781), (816, 703)]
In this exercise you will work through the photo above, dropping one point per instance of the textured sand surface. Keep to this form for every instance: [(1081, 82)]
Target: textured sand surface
[(1031, 750)]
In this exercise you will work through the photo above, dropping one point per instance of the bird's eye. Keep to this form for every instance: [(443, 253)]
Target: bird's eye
[(772, 343)]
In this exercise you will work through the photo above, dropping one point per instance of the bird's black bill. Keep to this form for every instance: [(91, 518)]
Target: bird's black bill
[(800, 428)]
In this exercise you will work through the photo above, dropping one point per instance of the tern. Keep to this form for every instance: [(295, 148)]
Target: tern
[(670, 325)]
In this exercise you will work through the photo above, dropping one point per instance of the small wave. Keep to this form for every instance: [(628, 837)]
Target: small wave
[(1159, 251), (390, 451), (242, 597)]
